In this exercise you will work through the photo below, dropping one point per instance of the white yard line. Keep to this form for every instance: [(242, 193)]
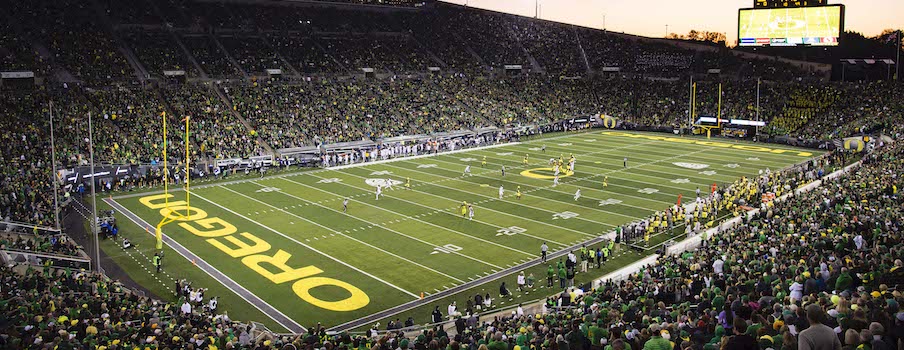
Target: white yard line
[(666, 169), (567, 193), (305, 245), (444, 211), (630, 187), (233, 286), (411, 217), (729, 153), (546, 198), (737, 159), (492, 198), (369, 223)]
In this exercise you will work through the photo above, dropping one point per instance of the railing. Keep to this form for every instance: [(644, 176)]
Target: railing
[(9, 256)]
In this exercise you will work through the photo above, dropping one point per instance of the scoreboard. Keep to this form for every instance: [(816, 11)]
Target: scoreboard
[(772, 4), (791, 26)]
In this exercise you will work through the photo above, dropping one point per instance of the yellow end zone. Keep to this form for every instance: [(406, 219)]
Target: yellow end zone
[(710, 143)]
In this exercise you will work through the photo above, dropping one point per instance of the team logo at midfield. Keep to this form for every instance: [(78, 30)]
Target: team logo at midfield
[(424, 166), (382, 182), (504, 154), (708, 172), (753, 158), (566, 144), (381, 172), (534, 149), (648, 190), (695, 166), (731, 166), (589, 140), (467, 159), (680, 181), (330, 180)]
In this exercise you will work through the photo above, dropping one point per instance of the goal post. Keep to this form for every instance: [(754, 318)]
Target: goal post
[(173, 215)]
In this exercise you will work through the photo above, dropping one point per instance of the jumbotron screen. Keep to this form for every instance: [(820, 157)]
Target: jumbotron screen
[(814, 26)]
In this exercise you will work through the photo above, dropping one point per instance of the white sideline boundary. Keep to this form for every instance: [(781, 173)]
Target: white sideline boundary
[(337, 231), (419, 156), (179, 248), (382, 226), (306, 246), (695, 241)]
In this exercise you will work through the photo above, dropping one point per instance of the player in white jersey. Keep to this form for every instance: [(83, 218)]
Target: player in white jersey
[(555, 180), (556, 170), (470, 212), (577, 194), (345, 205), (388, 184), (571, 166), (379, 192), (467, 171), (501, 192)]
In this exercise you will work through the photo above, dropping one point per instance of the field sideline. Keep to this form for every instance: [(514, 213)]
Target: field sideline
[(285, 241)]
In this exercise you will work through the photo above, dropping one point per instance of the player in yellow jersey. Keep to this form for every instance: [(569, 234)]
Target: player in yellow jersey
[(464, 208), (483, 164), (408, 183), (605, 182), (518, 193), (526, 156)]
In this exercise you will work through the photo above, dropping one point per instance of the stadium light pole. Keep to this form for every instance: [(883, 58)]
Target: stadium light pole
[(898, 56), (757, 127), (53, 175), (604, 21), (666, 30), (93, 195), (690, 103)]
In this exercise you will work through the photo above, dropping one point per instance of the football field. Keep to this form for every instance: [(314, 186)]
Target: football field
[(287, 245)]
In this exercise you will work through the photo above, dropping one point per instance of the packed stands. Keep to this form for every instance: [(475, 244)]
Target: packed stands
[(818, 256), (211, 59), (158, 52)]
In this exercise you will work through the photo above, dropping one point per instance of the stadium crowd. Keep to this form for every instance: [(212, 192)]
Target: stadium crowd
[(820, 267), (817, 270)]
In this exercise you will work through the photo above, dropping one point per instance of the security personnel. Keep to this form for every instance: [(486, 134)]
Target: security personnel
[(157, 260)]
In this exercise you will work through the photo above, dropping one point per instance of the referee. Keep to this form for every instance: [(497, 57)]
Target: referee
[(543, 249)]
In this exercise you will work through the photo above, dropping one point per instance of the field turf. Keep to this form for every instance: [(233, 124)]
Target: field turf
[(414, 241)]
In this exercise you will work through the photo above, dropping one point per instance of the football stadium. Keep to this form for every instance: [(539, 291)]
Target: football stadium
[(400, 174)]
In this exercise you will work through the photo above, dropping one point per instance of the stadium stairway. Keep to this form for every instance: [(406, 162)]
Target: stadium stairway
[(104, 22), (239, 116), (188, 54), (320, 47), (583, 54), (535, 66), (228, 57), (266, 40), (428, 52), (59, 73), (472, 52)]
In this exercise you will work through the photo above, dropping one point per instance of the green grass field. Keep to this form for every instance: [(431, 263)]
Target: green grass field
[(285, 239), (800, 22)]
